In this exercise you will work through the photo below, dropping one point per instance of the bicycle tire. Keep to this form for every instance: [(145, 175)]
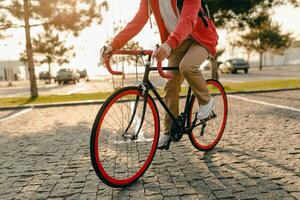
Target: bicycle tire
[(203, 142), (123, 147)]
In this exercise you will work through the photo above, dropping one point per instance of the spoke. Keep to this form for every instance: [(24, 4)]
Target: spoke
[(116, 116), (114, 120)]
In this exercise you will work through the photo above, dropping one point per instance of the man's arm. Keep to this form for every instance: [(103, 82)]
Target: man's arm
[(133, 27)]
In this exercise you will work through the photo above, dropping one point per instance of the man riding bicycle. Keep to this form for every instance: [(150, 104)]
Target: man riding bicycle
[(188, 38)]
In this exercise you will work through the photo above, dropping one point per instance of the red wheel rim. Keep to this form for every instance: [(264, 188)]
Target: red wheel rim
[(152, 150), (223, 125)]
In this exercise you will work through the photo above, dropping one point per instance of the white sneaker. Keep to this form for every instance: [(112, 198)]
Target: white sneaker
[(164, 141), (205, 110)]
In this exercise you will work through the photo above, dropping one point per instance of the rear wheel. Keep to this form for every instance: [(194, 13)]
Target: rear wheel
[(124, 137), (246, 71), (206, 136)]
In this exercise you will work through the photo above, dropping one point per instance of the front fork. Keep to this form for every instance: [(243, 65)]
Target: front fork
[(134, 136)]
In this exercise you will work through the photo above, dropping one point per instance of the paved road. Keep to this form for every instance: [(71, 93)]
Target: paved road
[(44, 154), (105, 84)]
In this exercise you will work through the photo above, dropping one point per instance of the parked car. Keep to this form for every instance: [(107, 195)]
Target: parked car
[(234, 65), (44, 75), (66, 75), (84, 74)]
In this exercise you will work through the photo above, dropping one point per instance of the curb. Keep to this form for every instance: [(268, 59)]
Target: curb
[(101, 101)]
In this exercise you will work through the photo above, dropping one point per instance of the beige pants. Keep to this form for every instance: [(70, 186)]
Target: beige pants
[(188, 56)]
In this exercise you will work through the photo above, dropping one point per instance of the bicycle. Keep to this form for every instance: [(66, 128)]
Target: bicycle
[(126, 130)]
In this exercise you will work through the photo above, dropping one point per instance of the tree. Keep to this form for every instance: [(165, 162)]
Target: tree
[(231, 14), (264, 35), (128, 59), (49, 49), (3, 21), (239, 14), (215, 65), (33, 85), (125, 59), (60, 15)]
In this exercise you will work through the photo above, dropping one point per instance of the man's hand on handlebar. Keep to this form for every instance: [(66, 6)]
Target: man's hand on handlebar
[(106, 50), (162, 52)]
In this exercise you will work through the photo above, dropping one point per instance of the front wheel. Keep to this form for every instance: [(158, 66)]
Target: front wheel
[(206, 136), (124, 137)]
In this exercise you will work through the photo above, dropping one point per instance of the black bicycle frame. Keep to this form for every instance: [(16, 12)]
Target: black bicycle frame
[(147, 83), (147, 86)]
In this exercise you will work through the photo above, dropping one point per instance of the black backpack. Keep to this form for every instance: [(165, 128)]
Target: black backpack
[(201, 14)]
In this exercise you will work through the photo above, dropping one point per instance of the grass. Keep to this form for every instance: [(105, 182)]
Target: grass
[(229, 87), (16, 101), (262, 85)]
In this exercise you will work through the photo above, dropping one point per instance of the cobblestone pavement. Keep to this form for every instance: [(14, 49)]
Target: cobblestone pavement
[(44, 154)]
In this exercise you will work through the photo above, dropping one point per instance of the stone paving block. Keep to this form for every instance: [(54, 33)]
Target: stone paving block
[(88, 196), (189, 197), (292, 188), (77, 185), (287, 198), (245, 195), (73, 196), (152, 191), (169, 192), (181, 184), (167, 185), (45, 188), (30, 188), (58, 192), (79, 179), (20, 184), (172, 198), (186, 191), (105, 192), (154, 197), (214, 184), (268, 196), (24, 195), (223, 194), (137, 186), (101, 197), (10, 196), (295, 195), (248, 182), (41, 195), (137, 193)]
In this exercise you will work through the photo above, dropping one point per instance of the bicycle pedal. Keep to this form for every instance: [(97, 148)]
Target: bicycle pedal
[(211, 116)]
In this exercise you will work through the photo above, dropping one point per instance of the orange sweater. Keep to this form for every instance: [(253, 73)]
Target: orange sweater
[(189, 24)]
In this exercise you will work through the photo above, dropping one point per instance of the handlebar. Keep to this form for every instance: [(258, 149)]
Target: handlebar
[(133, 52)]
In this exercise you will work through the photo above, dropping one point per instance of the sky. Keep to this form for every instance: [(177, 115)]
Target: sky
[(92, 39)]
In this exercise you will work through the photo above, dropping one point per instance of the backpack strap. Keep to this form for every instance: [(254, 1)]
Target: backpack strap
[(204, 4), (203, 13)]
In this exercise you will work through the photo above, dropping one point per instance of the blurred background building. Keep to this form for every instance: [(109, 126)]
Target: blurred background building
[(13, 71), (290, 56)]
